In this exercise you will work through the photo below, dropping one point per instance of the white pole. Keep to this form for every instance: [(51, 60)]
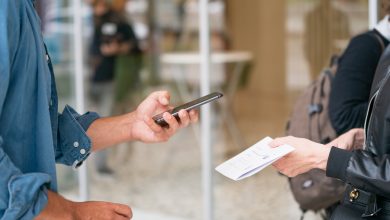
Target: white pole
[(207, 162), (78, 70), (372, 13)]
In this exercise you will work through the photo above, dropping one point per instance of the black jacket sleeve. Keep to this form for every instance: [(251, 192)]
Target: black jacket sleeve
[(361, 169), (351, 86)]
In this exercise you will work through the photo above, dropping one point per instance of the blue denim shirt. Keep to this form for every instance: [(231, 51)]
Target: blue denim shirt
[(33, 136)]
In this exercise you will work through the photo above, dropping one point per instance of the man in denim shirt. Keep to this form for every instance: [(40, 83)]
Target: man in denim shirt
[(33, 136)]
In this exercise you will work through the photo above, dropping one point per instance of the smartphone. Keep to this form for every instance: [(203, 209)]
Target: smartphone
[(188, 106)]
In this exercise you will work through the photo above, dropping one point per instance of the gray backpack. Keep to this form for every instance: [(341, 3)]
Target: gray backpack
[(309, 119)]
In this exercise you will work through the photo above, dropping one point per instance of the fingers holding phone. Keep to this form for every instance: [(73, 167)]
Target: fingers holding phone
[(188, 117), (184, 118), (188, 112), (153, 132), (172, 123), (194, 116), (164, 125)]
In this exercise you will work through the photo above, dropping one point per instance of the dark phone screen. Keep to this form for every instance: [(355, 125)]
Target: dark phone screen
[(197, 102), (188, 106)]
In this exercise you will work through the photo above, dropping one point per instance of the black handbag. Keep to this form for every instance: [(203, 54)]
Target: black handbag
[(358, 204)]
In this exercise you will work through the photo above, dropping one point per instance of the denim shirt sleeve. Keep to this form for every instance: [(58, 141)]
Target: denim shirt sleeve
[(22, 196), (74, 146)]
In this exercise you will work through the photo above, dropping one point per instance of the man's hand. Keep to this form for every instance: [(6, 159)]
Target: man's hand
[(139, 125), (351, 140), (146, 130), (306, 156), (101, 210), (60, 208)]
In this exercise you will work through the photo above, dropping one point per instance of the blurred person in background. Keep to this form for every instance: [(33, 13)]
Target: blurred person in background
[(325, 27), (113, 39), (349, 97), (34, 136)]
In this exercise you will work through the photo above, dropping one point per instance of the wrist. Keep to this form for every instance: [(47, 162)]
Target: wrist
[(129, 127), (58, 208), (321, 157), (71, 209)]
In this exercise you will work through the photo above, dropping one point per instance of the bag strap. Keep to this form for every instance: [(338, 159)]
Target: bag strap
[(313, 108), (328, 75)]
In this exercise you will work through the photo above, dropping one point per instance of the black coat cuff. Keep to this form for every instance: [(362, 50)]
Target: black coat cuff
[(337, 163)]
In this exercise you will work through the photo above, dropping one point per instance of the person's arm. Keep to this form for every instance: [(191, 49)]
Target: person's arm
[(306, 156), (73, 144), (361, 169), (79, 135), (350, 91), (61, 208), (139, 125), (350, 140), (22, 196), (358, 168)]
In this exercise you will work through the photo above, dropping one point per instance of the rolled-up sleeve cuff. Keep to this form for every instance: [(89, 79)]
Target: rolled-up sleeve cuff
[(28, 195), (337, 163), (74, 143), (86, 120), (22, 196)]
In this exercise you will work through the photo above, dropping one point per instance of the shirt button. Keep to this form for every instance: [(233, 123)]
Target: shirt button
[(76, 144), (82, 151), (47, 57)]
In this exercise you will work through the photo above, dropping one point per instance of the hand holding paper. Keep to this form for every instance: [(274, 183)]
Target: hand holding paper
[(253, 159)]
